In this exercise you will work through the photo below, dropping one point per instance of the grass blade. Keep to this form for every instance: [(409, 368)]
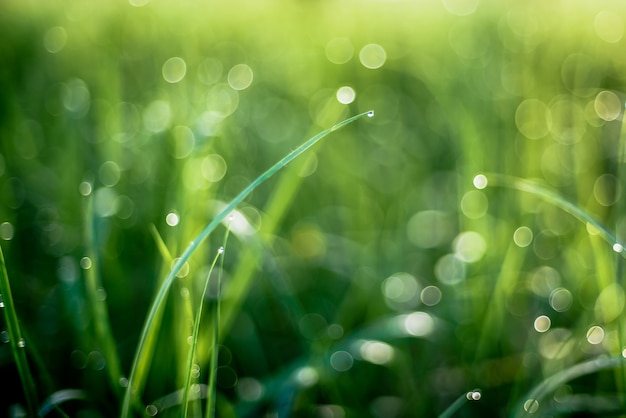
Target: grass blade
[(93, 286), (16, 340), (555, 199), (532, 401), (130, 392)]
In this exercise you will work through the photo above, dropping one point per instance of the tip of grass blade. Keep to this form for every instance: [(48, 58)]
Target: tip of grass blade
[(472, 395)]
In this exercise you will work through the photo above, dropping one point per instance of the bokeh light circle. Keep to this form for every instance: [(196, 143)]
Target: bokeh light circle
[(240, 77), (609, 26), (174, 70), (339, 50), (346, 95), (373, 56)]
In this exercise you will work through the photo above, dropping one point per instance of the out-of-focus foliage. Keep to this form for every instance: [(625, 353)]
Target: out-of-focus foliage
[(376, 276)]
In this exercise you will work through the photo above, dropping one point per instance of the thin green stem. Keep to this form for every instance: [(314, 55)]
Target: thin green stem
[(18, 345), (194, 340), (165, 286), (93, 286), (212, 392)]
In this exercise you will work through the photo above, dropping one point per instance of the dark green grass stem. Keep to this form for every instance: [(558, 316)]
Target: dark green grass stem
[(142, 362), (16, 340), (104, 335), (160, 297)]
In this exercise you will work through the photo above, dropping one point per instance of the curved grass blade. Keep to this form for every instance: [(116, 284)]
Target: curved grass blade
[(130, 392), (473, 395), (557, 200), (532, 401), (53, 401), (143, 362), (16, 340)]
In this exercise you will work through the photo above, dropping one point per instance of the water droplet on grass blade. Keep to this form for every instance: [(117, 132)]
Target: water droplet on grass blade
[(220, 250), (6, 231), (618, 248), (531, 406), (151, 410), (21, 343), (172, 219), (370, 114), (85, 263), (473, 395), (85, 188), (480, 181)]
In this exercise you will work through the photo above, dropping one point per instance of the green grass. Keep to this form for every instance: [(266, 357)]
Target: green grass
[(374, 276)]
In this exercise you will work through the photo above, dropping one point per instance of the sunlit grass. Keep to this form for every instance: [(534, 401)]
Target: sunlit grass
[(378, 277)]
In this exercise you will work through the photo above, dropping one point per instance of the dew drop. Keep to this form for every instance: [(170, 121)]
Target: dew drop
[(473, 395), (370, 114), (221, 250), (151, 410), (618, 248), (85, 188), (85, 263), (21, 343), (531, 406), (6, 231), (480, 181), (172, 219), (1, 302)]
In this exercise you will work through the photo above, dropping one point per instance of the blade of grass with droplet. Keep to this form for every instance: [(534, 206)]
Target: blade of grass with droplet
[(16, 340), (275, 209), (194, 340), (459, 402), (557, 200), (130, 392), (552, 383), (212, 392)]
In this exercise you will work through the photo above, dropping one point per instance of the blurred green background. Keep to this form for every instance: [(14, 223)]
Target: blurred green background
[(369, 278)]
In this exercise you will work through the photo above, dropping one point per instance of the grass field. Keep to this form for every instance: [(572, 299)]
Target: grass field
[(460, 253)]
